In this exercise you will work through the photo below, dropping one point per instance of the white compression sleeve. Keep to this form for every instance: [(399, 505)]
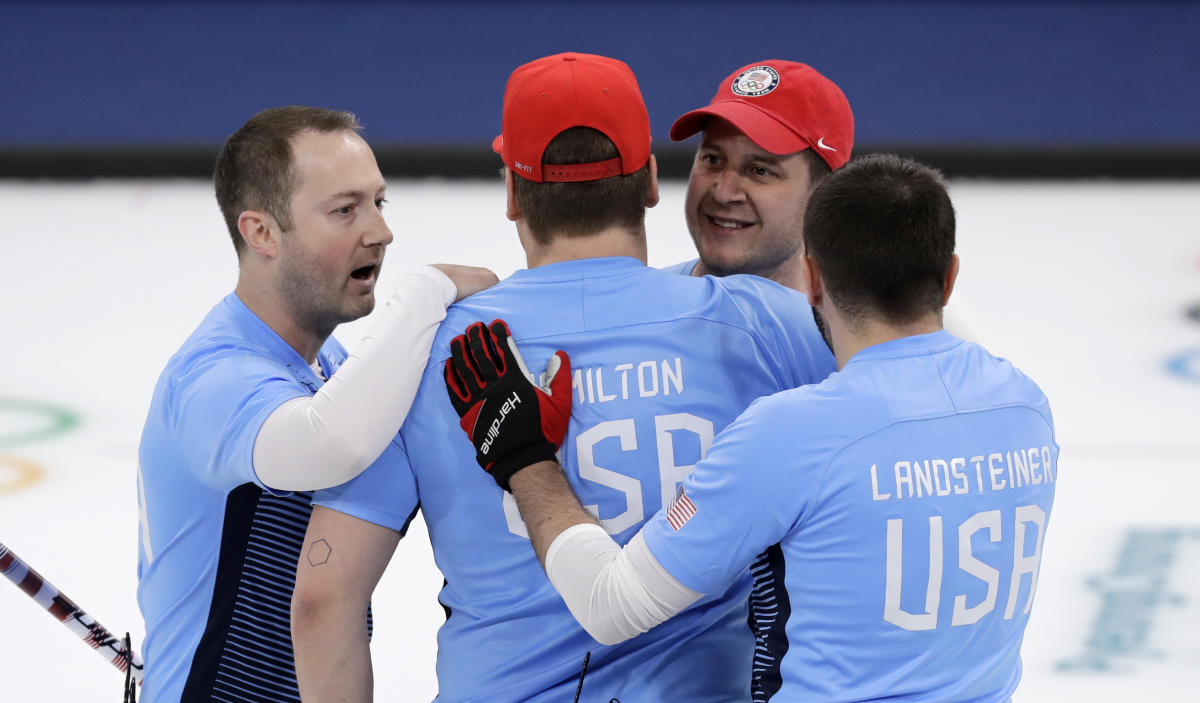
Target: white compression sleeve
[(329, 438), (614, 593)]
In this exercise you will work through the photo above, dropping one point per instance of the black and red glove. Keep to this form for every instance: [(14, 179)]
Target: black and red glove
[(512, 422)]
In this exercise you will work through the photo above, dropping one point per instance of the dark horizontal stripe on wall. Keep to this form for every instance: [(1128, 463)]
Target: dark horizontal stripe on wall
[(76, 163), (1142, 163)]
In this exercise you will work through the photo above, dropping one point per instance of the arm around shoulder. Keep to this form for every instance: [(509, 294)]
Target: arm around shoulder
[(328, 438), (613, 593)]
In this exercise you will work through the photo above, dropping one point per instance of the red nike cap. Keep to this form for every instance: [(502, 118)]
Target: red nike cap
[(548, 96), (783, 107)]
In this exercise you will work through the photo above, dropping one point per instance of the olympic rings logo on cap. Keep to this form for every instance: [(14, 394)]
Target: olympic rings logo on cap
[(755, 81)]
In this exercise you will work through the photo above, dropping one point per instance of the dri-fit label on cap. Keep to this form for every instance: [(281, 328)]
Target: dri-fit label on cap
[(756, 81)]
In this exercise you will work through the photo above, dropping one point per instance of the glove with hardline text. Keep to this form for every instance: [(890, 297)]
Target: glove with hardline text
[(512, 422)]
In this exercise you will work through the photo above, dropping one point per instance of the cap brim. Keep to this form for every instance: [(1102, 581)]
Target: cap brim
[(498, 144), (688, 124), (762, 129)]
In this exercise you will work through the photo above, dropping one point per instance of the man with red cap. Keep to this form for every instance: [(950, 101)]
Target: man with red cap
[(893, 515), (661, 363), (773, 130)]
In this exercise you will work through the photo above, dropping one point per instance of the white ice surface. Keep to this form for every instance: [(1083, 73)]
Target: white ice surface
[(1082, 285)]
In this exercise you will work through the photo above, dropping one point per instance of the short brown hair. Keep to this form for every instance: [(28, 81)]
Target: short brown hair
[(582, 208), (254, 170), (881, 230), (817, 168)]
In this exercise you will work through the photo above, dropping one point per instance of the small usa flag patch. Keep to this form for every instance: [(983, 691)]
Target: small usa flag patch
[(682, 509)]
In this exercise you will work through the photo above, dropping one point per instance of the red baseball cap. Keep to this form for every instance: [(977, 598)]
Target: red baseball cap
[(553, 94), (783, 107)]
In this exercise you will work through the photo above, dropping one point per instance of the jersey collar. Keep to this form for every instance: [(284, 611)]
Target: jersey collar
[(262, 334), (574, 269), (916, 345)]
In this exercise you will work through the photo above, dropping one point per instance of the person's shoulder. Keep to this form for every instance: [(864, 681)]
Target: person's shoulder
[(765, 307), (221, 348), (808, 408), (683, 268), (811, 423), (1027, 389), (487, 305), (215, 360), (497, 298), (996, 380), (228, 325), (758, 293), (744, 301)]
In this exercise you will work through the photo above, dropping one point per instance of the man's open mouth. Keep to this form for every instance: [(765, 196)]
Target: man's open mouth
[(364, 273)]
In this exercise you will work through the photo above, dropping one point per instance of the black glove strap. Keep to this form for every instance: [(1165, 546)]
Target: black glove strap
[(525, 457)]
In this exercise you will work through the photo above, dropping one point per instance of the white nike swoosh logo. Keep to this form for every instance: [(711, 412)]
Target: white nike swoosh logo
[(821, 143)]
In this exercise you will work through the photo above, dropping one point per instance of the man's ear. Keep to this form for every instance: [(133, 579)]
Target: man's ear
[(814, 286), (652, 187), (260, 233), (951, 277), (513, 211)]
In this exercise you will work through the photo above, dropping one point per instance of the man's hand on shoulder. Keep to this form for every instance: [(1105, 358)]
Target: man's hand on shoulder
[(468, 280), (512, 422)]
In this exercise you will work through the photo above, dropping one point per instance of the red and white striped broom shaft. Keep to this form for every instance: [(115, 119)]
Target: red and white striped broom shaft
[(69, 614)]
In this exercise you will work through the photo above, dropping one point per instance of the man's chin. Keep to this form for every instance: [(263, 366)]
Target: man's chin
[(366, 307), (717, 263), (360, 307)]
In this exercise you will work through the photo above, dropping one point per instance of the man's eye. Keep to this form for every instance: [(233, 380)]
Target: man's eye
[(761, 171), (345, 209), (379, 203)]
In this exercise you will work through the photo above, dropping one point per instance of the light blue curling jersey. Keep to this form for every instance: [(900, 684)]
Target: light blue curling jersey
[(217, 550), (683, 268), (661, 363), (902, 504)]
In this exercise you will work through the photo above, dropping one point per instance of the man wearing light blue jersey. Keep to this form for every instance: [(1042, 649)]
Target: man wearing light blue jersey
[(661, 363), (261, 405), (902, 502)]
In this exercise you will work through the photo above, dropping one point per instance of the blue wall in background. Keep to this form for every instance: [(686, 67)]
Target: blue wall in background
[(1087, 74)]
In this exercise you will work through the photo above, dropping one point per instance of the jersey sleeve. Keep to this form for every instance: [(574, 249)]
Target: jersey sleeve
[(385, 493), (754, 486), (784, 327), (219, 403)]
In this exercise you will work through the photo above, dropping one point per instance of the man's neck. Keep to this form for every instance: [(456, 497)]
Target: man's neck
[(269, 308), (614, 241), (849, 340)]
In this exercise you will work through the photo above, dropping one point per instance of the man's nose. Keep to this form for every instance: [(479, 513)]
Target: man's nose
[(378, 231), (727, 188)]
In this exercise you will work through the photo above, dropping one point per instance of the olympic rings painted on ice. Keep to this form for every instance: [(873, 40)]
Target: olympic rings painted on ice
[(26, 421), (17, 474)]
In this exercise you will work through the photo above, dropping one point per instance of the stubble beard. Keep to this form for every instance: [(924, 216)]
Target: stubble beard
[(318, 306), (762, 258)]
